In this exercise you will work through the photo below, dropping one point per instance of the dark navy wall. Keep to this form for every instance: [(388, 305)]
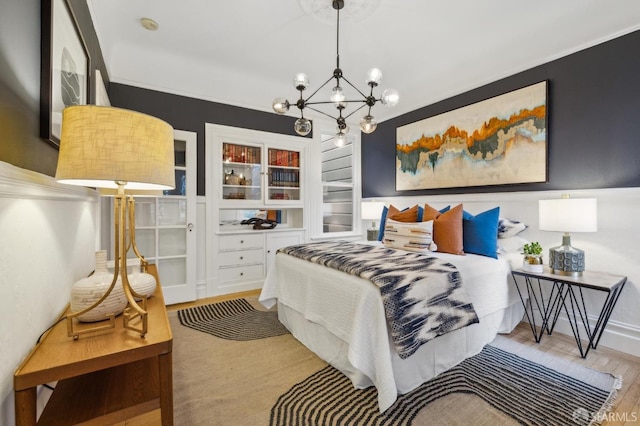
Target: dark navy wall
[(191, 114), (21, 144), (593, 123)]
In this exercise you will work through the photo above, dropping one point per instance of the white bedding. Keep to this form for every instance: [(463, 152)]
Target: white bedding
[(341, 318)]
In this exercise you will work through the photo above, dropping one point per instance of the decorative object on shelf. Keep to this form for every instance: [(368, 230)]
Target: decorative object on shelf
[(260, 223), (533, 257), (232, 178), (568, 215), (98, 287), (338, 97), (142, 283), (372, 210), (107, 147)]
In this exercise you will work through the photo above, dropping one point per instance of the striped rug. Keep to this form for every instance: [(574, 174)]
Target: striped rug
[(232, 320), (546, 392)]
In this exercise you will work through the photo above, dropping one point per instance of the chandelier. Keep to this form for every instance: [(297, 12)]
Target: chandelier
[(368, 123)]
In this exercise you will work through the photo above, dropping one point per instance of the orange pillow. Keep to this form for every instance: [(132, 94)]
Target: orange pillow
[(447, 228), (408, 215)]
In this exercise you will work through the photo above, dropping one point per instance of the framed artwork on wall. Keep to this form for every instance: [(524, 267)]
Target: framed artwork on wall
[(64, 67), (498, 141)]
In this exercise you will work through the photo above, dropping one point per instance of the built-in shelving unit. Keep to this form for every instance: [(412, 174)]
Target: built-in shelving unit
[(252, 174)]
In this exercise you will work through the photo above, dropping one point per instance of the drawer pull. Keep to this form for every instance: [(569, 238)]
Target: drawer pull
[(241, 257), (241, 273), (241, 241)]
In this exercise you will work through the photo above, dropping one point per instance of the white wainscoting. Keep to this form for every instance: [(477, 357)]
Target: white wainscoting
[(201, 248), (615, 248), (49, 234)]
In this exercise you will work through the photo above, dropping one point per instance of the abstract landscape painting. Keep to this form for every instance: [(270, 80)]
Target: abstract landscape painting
[(498, 141)]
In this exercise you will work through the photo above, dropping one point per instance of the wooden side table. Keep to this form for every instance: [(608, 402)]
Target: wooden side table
[(567, 293), (104, 377)]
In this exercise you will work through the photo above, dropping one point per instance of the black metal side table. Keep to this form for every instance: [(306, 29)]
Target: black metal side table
[(566, 293)]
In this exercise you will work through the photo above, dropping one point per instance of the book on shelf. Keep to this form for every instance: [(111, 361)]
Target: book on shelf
[(284, 177), (280, 157), (240, 153)]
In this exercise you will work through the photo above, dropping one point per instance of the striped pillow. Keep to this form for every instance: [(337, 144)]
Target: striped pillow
[(412, 236)]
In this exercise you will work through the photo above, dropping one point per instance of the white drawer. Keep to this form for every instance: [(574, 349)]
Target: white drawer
[(242, 273), (241, 242), (240, 257)]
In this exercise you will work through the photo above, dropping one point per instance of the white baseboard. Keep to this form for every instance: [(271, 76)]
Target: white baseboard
[(201, 289), (232, 287), (619, 336)]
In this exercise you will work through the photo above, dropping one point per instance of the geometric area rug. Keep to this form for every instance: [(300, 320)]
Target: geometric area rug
[(233, 320), (532, 387)]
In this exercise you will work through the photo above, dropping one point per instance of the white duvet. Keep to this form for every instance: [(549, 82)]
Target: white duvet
[(341, 318)]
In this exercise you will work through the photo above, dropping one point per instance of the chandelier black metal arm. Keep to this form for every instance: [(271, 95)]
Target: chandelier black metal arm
[(368, 123)]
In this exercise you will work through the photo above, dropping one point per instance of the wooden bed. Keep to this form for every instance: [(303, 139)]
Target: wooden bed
[(341, 318)]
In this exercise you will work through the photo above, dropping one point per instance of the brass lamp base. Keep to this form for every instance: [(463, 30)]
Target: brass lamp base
[(566, 260), (135, 316)]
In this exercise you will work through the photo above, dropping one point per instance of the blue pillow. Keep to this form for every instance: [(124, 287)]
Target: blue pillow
[(383, 220), (480, 232)]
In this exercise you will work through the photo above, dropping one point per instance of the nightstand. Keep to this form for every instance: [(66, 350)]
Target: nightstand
[(566, 292), (102, 378)]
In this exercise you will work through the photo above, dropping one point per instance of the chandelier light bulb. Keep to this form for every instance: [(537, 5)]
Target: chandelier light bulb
[(343, 128), (302, 126), (337, 96), (340, 140), (280, 105), (390, 98), (374, 75), (368, 124), (301, 81)]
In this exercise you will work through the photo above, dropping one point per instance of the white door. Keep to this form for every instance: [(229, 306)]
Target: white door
[(166, 226), (176, 225)]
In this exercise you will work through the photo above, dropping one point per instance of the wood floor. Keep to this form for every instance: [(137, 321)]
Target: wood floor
[(626, 410)]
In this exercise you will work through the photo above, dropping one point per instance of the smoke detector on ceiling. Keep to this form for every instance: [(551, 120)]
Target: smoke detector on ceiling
[(149, 24)]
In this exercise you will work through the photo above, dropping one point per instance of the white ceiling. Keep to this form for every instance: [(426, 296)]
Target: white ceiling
[(246, 52)]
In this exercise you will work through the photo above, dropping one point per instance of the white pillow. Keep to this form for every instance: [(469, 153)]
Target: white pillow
[(511, 244), (509, 228), (412, 236)]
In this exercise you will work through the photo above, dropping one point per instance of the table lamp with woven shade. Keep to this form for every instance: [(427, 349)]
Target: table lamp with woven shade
[(106, 147)]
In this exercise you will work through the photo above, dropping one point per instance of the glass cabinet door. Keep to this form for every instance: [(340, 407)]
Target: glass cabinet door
[(283, 173), (180, 168), (241, 172)]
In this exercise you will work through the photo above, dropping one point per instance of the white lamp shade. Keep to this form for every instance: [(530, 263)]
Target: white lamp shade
[(372, 210), (100, 146), (568, 215)]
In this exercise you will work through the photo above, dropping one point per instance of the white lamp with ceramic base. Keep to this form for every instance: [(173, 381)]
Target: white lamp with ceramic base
[(568, 215), (372, 210)]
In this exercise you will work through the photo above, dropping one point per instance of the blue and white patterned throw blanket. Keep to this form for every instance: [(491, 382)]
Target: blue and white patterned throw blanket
[(422, 295)]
